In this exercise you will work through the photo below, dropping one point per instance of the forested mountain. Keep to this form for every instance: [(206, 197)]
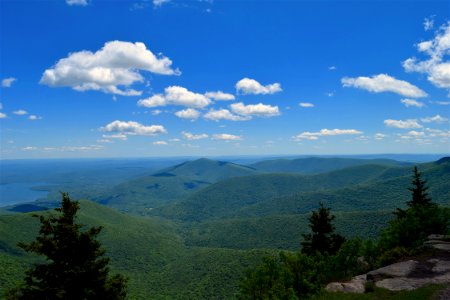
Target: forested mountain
[(366, 187), (170, 184), (206, 221), (314, 165), (148, 251)]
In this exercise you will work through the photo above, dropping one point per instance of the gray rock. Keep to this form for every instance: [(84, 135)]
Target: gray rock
[(400, 269), (356, 285)]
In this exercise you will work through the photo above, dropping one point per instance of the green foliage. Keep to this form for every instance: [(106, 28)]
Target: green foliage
[(289, 276), (322, 239), (394, 255), (76, 267), (362, 188), (420, 219)]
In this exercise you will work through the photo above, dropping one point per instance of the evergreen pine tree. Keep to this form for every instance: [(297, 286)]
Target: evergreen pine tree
[(322, 239), (419, 191), (76, 267)]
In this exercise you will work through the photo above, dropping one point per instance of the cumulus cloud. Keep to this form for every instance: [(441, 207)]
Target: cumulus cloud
[(159, 3), (384, 83), (306, 104), (176, 95), (115, 65), (3, 116), (219, 96), (437, 67), (189, 113), (325, 132), (192, 137), (435, 119), (160, 143), (133, 128), (402, 124), (119, 136), (29, 148), (20, 112), (411, 102), (428, 23), (226, 137), (77, 2), (7, 82), (379, 136), (260, 110), (34, 117), (224, 114), (251, 86)]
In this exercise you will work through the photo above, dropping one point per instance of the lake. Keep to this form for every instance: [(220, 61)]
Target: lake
[(15, 193)]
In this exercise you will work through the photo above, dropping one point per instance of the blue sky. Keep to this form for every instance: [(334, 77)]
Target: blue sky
[(91, 78)]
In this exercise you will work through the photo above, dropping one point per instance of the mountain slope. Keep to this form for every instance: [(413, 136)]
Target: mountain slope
[(147, 250), (315, 165), (170, 184), (369, 187)]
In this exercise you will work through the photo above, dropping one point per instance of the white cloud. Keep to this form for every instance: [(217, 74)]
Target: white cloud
[(156, 112), (330, 94), (384, 83), (416, 133), (332, 68), (306, 104), (116, 64), (428, 23), (411, 102), (325, 132), (224, 114), (192, 137), (219, 96), (251, 86), (436, 119), (118, 136), (159, 3), (402, 124), (104, 141), (7, 82), (436, 66), (3, 116), (29, 148), (380, 136), (160, 143), (226, 137), (34, 117), (189, 113), (442, 102), (77, 2), (133, 128), (260, 110), (20, 112), (176, 95)]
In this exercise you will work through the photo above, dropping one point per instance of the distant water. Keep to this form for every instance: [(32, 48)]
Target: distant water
[(15, 193)]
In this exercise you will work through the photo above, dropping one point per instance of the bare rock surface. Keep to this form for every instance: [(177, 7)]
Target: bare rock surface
[(407, 275)]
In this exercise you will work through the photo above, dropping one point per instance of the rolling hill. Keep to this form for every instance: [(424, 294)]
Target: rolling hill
[(149, 251), (168, 185), (366, 187), (315, 165)]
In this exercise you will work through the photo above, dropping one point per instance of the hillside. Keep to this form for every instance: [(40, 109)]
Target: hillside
[(315, 165), (168, 185), (149, 251), (367, 187)]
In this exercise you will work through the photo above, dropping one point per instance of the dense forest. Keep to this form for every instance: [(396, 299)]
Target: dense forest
[(206, 229)]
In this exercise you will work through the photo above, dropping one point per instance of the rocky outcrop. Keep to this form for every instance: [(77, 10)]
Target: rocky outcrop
[(405, 275)]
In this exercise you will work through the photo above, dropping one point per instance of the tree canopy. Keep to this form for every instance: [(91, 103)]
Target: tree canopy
[(76, 266)]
